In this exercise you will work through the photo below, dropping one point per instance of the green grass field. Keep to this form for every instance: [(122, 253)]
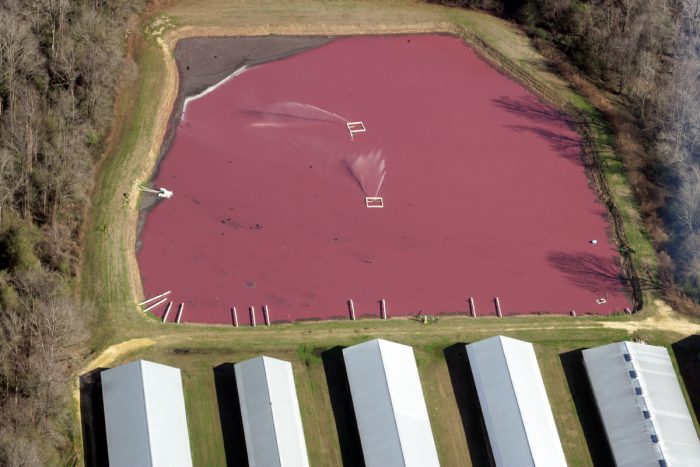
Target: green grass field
[(304, 345), (109, 277)]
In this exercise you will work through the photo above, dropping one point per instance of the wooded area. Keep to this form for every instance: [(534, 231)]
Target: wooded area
[(59, 65)]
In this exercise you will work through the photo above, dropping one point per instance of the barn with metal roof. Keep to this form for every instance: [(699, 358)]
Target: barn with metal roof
[(644, 413), (270, 412), (390, 409), (145, 416), (517, 415)]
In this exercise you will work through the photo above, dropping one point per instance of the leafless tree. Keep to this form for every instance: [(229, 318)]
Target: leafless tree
[(19, 55), (18, 451), (686, 205), (23, 139), (8, 184), (60, 61)]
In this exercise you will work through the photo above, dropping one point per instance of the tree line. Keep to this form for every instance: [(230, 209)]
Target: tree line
[(647, 54), (59, 62)]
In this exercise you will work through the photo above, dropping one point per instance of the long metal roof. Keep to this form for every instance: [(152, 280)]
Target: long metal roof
[(645, 416), (270, 412), (145, 416), (389, 406), (517, 414)]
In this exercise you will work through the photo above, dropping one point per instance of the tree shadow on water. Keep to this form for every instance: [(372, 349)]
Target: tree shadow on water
[(582, 394), (555, 125), (565, 146), (92, 419), (535, 110), (230, 415), (597, 274), (468, 404), (343, 410)]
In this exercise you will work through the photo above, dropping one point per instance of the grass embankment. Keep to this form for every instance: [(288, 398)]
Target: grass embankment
[(110, 277), (199, 352)]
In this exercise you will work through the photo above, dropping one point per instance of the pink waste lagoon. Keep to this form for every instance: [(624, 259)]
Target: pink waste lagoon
[(482, 188)]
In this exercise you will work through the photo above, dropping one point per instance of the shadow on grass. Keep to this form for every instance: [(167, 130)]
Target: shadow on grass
[(582, 394), (687, 352), (468, 404), (343, 410), (230, 415), (92, 419)]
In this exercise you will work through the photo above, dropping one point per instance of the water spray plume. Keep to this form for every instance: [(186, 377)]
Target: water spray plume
[(212, 88), (305, 111), (369, 170)]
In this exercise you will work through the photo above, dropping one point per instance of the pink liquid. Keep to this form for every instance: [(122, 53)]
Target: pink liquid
[(484, 193)]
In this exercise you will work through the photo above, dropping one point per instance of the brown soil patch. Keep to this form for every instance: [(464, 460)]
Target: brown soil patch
[(665, 319), (106, 358)]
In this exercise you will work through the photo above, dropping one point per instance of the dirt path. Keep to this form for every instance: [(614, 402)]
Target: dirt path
[(105, 359), (113, 352), (665, 319)]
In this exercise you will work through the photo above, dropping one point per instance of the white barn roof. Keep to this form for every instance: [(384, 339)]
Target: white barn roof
[(145, 416), (644, 414), (270, 411), (517, 415), (389, 407)]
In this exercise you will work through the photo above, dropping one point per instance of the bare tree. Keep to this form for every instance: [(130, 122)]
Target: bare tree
[(18, 451), (57, 334), (23, 140), (18, 53), (8, 184), (686, 206), (60, 61)]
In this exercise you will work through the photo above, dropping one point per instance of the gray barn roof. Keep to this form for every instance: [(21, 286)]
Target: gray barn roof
[(145, 416), (270, 412), (645, 416), (389, 406), (514, 403)]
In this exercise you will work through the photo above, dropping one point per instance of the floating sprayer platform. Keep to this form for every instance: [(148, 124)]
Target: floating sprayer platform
[(355, 127)]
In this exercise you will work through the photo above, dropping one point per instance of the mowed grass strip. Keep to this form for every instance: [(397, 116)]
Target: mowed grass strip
[(197, 358), (109, 264)]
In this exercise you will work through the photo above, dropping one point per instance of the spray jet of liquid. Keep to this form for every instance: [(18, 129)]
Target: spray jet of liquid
[(212, 88), (299, 110), (369, 170)]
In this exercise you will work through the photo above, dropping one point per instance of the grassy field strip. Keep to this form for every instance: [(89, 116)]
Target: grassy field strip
[(109, 272), (198, 358)]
